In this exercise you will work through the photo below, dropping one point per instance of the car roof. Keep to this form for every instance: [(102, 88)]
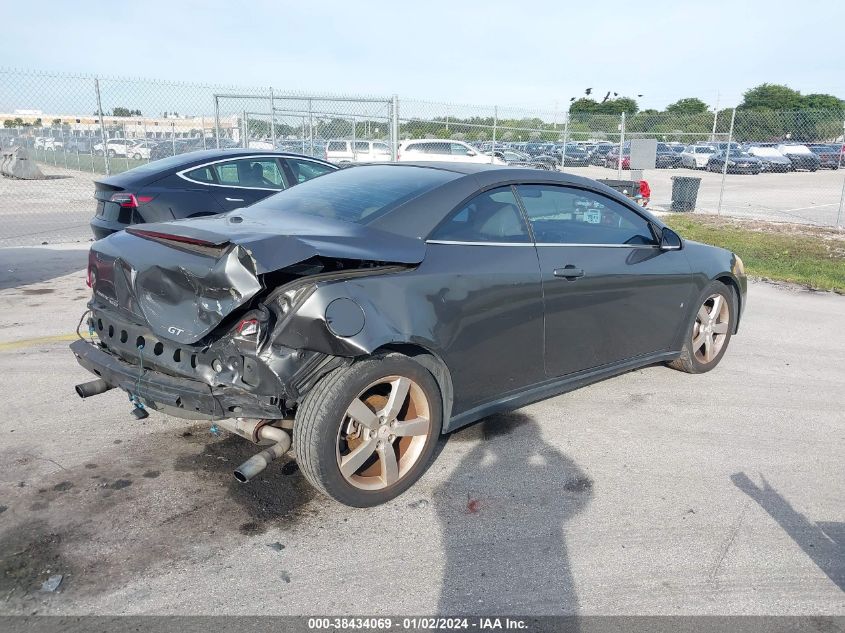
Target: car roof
[(419, 216), (147, 173)]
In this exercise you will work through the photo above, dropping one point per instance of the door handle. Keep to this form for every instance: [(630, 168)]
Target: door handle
[(569, 272), (235, 199)]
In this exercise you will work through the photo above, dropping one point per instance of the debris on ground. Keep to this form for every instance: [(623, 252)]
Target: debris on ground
[(52, 583), (419, 503), (276, 546)]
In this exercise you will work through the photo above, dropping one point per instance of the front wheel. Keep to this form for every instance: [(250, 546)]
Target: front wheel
[(365, 433), (710, 332)]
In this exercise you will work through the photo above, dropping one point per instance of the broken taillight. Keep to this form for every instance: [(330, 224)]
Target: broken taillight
[(248, 328)]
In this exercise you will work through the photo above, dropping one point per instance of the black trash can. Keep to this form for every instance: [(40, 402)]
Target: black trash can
[(684, 192)]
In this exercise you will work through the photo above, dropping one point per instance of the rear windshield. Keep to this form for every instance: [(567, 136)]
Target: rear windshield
[(357, 194)]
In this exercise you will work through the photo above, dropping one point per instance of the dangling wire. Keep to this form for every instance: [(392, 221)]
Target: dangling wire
[(90, 327), (134, 398)]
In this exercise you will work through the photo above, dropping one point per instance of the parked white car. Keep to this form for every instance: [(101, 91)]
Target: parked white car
[(259, 144), (53, 144), (140, 150), (114, 147), (443, 150), (343, 151), (696, 156)]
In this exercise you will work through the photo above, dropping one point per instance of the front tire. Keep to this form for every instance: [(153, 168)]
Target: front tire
[(710, 332), (365, 433)]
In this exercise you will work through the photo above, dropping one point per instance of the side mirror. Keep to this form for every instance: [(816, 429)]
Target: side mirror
[(669, 240), (471, 152)]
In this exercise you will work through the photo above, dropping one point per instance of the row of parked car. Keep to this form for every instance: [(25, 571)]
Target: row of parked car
[(136, 149), (741, 157)]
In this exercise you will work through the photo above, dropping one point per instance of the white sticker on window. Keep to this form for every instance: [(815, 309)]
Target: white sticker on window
[(592, 217)]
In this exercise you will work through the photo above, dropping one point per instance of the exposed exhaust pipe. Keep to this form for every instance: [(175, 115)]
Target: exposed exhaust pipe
[(93, 388), (258, 431)]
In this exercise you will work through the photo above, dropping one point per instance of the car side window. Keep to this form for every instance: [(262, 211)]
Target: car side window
[(565, 215), (261, 173), (492, 216), (303, 170), (458, 149), (201, 174), (362, 146)]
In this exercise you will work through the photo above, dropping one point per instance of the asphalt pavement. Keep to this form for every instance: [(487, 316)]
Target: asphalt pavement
[(655, 492)]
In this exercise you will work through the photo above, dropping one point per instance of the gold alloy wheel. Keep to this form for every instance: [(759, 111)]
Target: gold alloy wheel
[(710, 331), (383, 432)]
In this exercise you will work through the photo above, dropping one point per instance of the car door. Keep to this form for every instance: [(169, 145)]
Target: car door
[(488, 309), (361, 151), (461, 153), (242, 181), (611, 294)]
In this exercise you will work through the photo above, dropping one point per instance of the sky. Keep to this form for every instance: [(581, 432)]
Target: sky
[(527, 54)]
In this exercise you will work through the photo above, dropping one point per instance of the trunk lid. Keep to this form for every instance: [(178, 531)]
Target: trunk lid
[(184, 278)]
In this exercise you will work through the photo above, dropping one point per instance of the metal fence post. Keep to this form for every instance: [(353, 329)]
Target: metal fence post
[(715, 119), (395, 128), (125, 147), (842, 197), (64, 148), (102, 129), (727, 158), (621, 146), (310, 130), (147, 141), (565, 141), (217, 120), (272, 118), (173, 136), (495, 123)]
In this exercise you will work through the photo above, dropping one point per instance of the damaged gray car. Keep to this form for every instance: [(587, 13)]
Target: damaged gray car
[(358, 317)]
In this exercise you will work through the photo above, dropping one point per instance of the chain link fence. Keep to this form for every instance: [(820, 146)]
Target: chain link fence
[(782, 166)]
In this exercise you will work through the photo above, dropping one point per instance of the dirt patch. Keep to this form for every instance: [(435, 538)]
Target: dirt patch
[(102, 525), (765, 226), (278, 497), (31, 552), (37, 291)]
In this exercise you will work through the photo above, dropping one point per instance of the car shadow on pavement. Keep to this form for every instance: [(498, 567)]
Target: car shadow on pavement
[(24, 266), (503, 513), (823, 542)]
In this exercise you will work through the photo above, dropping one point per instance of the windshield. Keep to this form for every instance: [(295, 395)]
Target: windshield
[(357, 194), (705, 150)]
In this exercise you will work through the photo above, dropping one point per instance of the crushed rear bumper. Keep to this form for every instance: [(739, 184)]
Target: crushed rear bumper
[(181, 397)]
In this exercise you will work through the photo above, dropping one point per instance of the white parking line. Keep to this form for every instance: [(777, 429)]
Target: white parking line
[(815, 206)]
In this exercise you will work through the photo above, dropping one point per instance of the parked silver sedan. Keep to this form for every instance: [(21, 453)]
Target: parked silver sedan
[(696, 156)]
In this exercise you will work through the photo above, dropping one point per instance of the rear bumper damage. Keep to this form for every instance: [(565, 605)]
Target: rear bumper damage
[(181, 397)]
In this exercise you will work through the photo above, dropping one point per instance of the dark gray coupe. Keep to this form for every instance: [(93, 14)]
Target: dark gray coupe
[(360, 315)]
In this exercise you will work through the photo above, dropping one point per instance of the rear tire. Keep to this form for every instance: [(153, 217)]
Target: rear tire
[(365, 433), (707, 337)]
